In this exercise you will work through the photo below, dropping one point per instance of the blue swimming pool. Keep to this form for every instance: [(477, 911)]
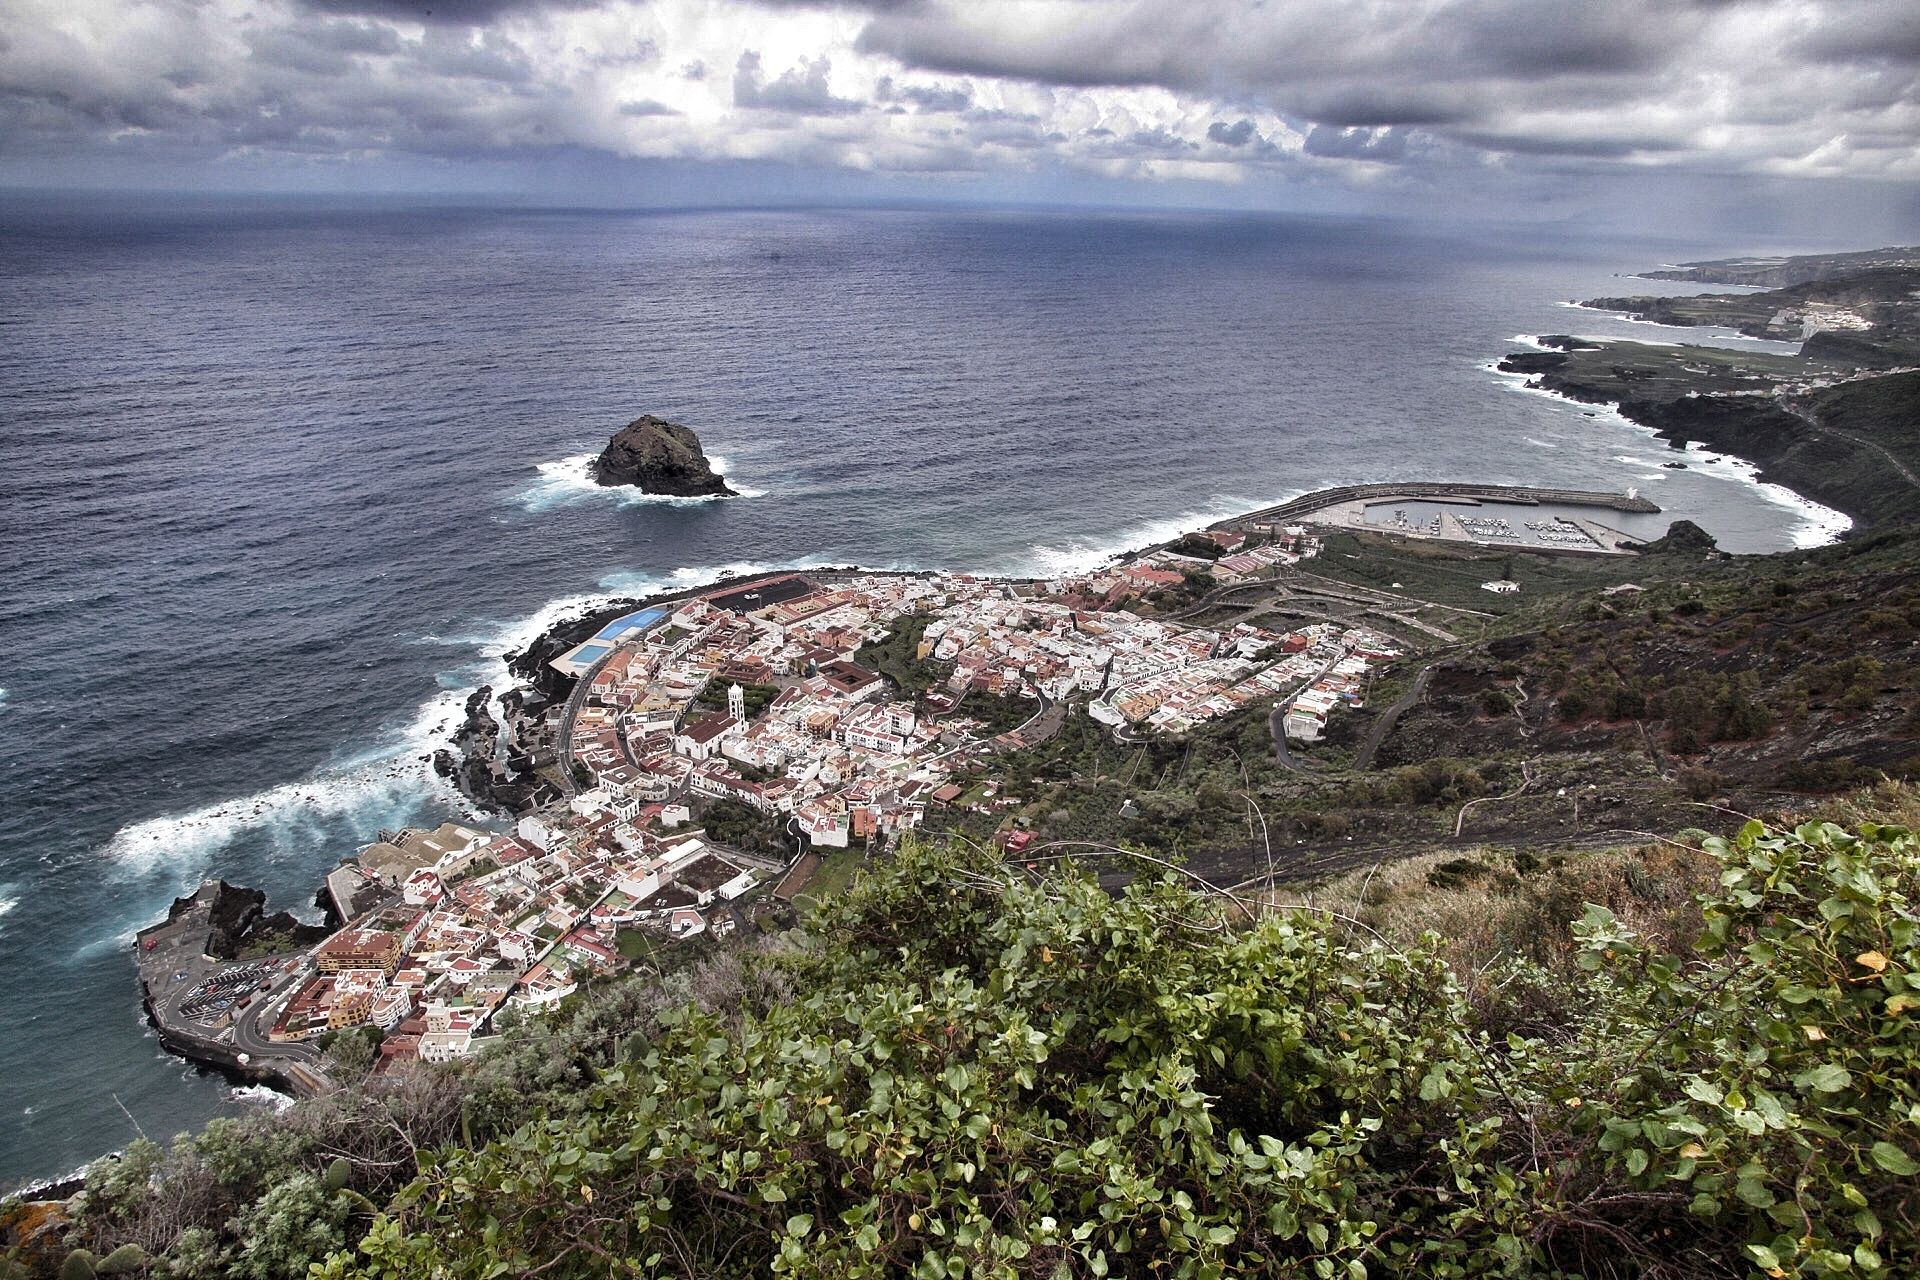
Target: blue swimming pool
[(588, 654), (632, 622)]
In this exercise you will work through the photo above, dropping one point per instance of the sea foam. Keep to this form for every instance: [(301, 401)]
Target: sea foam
[(390, 781), (1086, 553), (566, 481), (1814, 526)]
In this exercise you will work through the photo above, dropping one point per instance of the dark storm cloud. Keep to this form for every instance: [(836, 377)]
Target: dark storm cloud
[(927, 97), (1159, 140), (471, 13), (1237, 134), (1326, 91), (801, 91), (1865, 36), (1572, 77), (1386, 145)]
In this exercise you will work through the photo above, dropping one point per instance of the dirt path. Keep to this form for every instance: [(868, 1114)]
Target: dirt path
[(1363, 759)]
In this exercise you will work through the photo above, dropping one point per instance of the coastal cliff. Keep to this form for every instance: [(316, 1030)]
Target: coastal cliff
[(657, 456), (1851, 446)]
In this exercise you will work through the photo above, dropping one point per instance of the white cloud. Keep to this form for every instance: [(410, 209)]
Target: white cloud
[(1146, 90)]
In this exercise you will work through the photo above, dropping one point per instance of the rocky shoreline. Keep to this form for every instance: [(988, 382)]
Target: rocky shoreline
[(211, 927), (1787, 446)]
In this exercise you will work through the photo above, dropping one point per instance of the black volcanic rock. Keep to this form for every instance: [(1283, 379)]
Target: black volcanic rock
[(659, 457), (1683, 537), (1532, 362)]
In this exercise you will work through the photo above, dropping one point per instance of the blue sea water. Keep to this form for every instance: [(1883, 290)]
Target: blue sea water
[(283, 484)]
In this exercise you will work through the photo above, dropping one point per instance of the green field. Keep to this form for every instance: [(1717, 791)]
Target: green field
[(835, 874)]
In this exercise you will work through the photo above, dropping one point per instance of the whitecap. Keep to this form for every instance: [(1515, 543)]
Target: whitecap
[(1817, 525), (382, 785), (259, 1095), (1539, 444), (388, 782), (1814, 525), (690, 577), (566, 481), (1086, 553)]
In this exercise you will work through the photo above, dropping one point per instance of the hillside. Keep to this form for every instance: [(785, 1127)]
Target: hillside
[(960, 1068), (1774, 273), (1748, 678)]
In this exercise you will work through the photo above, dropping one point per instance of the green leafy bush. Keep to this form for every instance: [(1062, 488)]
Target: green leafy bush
[(990, 1075), (1776, 1078)]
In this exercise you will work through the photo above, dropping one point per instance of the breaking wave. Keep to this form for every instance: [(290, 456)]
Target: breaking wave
[(566, 481), (1083, 554), (380, 786), (390, 782)]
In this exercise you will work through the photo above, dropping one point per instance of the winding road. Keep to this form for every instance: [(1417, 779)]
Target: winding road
[(1363, 758)]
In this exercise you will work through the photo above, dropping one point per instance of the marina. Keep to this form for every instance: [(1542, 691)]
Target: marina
[(1539, 520)]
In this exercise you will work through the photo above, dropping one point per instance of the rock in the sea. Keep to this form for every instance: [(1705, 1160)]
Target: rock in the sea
[(659, 457)]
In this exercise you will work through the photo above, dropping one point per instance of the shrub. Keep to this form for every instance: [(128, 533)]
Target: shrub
[(987, 1075)]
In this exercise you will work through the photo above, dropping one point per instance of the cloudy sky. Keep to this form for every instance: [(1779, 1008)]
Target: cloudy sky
[(1526, 104)]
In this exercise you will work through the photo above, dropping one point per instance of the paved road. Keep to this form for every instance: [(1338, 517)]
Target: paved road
[(250, 1032), (1905, 472), (574, 700), (1803, 410), (1363, 758), (1276, 719), (1277, 729)]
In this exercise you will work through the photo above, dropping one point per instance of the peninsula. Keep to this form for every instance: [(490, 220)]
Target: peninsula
[(1838, 420), (657, 456), (1399, 696)]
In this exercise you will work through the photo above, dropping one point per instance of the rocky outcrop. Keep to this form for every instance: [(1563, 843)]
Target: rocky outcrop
[(475, 765), (1532, 362), (1682, 538), (237, 917), (660, 457)]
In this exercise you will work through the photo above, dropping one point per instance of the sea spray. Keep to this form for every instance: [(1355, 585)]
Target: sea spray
[(566, 481)]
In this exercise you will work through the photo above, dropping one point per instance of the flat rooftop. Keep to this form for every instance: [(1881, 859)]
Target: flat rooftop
[(759, 595)]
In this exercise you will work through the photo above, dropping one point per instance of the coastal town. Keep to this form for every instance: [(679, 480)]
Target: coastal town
[(749, 697), (703, 755)]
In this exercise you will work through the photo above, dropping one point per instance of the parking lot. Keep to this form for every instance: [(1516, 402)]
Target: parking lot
[(218, 995)]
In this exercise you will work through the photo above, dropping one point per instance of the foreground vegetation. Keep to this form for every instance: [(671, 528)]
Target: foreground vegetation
[(963, 1068)]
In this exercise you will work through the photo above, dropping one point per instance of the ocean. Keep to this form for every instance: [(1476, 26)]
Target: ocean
[(282, 484)]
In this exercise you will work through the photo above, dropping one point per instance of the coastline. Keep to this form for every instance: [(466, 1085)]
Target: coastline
[(600, 607), (1819, 524), (581, 616)]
